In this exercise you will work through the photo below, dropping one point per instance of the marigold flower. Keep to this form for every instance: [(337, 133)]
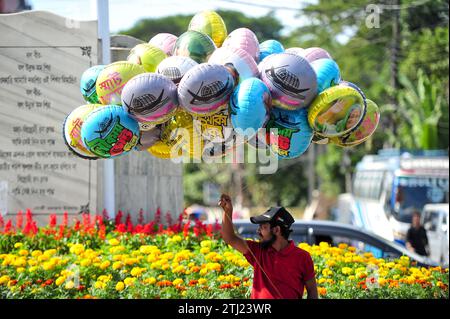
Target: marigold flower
[(18, 245), (120, 286), (70, 285), (177, 282), (129, 281)]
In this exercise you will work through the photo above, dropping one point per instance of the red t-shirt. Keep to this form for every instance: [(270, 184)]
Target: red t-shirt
[(288, 270)]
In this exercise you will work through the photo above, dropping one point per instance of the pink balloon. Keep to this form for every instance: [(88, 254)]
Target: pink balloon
[(312, 54), (244, 39), (164, 41), (244, 64)]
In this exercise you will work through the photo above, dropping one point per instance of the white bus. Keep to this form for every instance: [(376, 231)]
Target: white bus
[(390, 186)]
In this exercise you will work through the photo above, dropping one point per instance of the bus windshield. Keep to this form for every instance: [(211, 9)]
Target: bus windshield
[(412, 193)]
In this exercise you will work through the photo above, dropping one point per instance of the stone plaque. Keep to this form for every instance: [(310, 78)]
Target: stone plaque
[(42, 57)]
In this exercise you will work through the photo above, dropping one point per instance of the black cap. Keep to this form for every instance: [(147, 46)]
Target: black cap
[(274, 215)]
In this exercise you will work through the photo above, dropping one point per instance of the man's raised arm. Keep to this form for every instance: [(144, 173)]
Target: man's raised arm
[(228, 234)]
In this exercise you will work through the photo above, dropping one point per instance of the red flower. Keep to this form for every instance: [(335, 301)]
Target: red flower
[(53, 220), (141, 217), (19, 220)]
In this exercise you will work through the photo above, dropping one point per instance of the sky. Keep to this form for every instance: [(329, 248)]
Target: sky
[(124, 14)]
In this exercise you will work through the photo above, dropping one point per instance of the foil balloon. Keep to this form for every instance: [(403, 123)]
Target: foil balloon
[(178, 138), (289, 133), (337, 111), (250, 106), (244, 39), (217, 133), (295, 50), (150, 97), (327, 72), (312, 54), (147, 55), (350, 84), (88, 81), (368, 126), (238, 59), (290, 79), (205, 89), (149, 138), (164, 41), (113, 78), (269, 47), (175, 67), (196, 45), (110, 131), (72, 130), (317, 139), (211, 24)]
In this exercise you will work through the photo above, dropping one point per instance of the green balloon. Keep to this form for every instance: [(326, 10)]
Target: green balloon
[(196, 45)]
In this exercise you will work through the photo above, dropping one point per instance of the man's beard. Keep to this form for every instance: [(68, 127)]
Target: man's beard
[(267, 243)]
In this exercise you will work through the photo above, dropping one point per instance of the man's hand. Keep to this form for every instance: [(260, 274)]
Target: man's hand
[(226, 204)]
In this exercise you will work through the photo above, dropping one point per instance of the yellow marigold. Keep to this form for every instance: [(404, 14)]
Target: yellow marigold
[(176, 238), (113, 242), (205, 243), (203, 272), (69, 285), (165, 267), (120, 286), (321, 281), (76, 249), (105, 264), (104, 278), (20, 270), (347, 270), (36, 253), (23, 252), (60, 280), (150, 280), (117, 265), (130, 261), (342, 246), (204, 250), (381, 281), (351, 277), (137, 271), (32, 269), (85, 262), (129, 281), (100, 285), (202, 281), (18, 245), (331, 263), (177, 282), (4, 279)]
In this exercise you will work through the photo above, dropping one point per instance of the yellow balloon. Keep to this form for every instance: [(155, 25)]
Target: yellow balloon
[(113, 78), (72, 130), (178, 137), (147, 55), (210, 23)]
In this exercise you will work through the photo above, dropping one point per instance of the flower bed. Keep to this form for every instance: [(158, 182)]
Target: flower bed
[(98, 258)]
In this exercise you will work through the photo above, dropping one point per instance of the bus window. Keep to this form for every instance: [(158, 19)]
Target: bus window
[(412, 193)]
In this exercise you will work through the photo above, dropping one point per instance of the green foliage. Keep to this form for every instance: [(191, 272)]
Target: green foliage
[(267, 27)]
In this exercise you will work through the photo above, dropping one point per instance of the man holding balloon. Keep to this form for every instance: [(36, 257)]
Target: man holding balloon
[(281, 270)]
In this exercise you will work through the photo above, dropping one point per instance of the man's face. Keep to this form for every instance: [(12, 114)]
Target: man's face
[(266, 235)]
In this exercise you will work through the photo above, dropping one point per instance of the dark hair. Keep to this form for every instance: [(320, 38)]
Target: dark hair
[(285, 232)]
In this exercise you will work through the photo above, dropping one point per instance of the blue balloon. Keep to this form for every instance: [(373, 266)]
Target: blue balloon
[(88, 81), (249, 106), (269, 47), (327, 72), (110, 131), (294, 133)]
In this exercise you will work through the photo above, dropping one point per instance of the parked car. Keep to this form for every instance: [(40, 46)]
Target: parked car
[(434, 219), (316, 231)]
